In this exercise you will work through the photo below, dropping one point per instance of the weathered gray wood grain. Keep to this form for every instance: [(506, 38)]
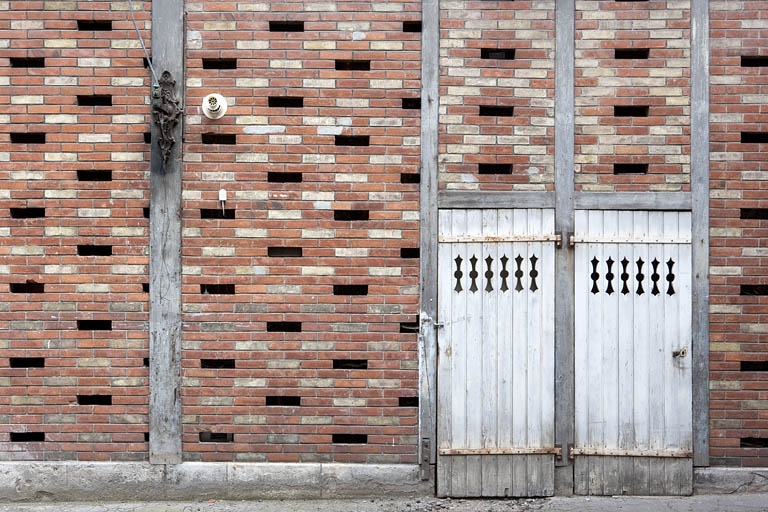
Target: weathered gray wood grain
[(165, 251)]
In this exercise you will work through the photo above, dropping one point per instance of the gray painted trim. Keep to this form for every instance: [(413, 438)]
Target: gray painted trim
[(471, 199), (700, 227), (137, 481), (165, 251), (632, 201), (564, 222), (430, 37)]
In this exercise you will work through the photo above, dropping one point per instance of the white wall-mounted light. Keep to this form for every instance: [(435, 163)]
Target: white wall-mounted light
[(214, 106)]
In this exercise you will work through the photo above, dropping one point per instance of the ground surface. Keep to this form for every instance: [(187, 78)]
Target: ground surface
[(716, 503)]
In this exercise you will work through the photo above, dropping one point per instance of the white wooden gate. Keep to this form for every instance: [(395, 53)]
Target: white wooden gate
[(632, 353), (495, 366)]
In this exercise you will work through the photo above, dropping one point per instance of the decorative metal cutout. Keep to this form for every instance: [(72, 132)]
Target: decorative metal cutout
[(640, 276), (533, 273), (458, 274), (519, 273), (504, 273), (166, 113), (595, 275), (624, 276), (488, 274), (655, 277), (473, 274), (670, 277), (609, 276)]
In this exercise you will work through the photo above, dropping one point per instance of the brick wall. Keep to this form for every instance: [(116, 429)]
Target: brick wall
[(497, 95), (73, 238), (739, 231), (304, 291), (632, 81)]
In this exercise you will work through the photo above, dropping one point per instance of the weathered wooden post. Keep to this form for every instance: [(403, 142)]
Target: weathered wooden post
[(165, 234)]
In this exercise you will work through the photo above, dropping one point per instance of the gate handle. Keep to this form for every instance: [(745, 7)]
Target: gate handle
[(682, 352)]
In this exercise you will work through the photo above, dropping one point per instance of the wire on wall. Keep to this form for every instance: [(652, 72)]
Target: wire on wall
[(156, 83)]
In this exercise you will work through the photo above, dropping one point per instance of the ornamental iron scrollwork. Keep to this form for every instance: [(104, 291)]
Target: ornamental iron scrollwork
[(166, 113)]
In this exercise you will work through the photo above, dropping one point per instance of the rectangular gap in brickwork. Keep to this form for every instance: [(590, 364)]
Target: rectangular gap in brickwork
[(285, 401), (94, 100), (216, 437), (353, 140), (754, 61), (217, 213), (284, 177), (144, 287), (27, 362), (753, 442), (283, 326), (94, 250), (91, 175), (146, 437), (410, 178), (350, 289), (408, 401), (27, 437), (217, 364), (219, 138), (94, 399), (94, 325), (217, 289), (219, 63), (749, 366), (28, 138), (497, 53), (28, 287), (350, 364), (753, 289), (349, 438), (145, 62), (631, 110), (409, 327), (351, 215), (754, 213), (145, 212), (145, 362), (754, 137), (286, 101), (494, 168), (147, 137), (95, 25), (27, 213), (285, 252), (630, 168), (352, 65), (411, 26), (631, 53), (409, 252), (27, 62), (411, 103), (496, 111), (286, 26)]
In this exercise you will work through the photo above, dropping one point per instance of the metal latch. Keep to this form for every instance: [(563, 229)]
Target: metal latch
[(439, 325), (681, 352), (426, 449)]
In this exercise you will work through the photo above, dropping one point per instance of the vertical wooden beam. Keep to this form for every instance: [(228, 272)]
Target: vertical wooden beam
[(700, 226), (430, 48), (564, 222), (165, 247)]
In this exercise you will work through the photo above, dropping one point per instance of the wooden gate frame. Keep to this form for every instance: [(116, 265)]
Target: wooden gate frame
[(565, 200)]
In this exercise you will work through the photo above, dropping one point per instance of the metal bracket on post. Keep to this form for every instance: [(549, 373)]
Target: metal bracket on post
[(425, 467)]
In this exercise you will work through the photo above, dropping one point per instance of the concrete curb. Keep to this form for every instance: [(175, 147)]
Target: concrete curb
[(83, 481), (730, 480)]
